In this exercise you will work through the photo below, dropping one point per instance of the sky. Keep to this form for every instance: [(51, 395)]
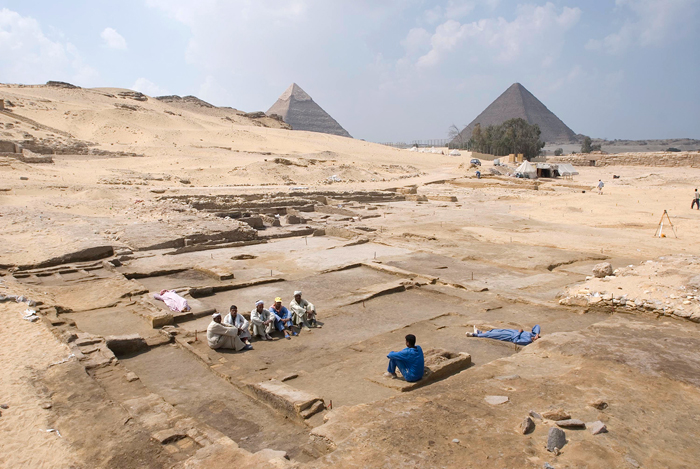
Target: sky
[(386, 70)]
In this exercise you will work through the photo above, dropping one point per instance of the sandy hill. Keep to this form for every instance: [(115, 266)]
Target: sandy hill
[(200, 142)]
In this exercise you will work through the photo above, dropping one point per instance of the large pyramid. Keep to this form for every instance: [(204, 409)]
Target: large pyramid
[(516, 102), (302, 113)]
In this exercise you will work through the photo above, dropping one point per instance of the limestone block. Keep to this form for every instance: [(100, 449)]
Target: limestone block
[(602, 270), (125, 344), (286, 399)]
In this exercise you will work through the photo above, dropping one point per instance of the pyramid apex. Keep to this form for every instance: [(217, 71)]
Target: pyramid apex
[(295, 91)]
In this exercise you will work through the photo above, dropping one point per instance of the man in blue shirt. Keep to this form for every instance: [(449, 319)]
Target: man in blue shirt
[(409, 361), (283, 318), (518, 337)]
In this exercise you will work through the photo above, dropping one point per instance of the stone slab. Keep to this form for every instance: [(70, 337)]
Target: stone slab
[(438, 365), (284, 398)]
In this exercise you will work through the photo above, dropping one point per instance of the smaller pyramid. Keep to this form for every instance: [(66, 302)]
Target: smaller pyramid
[(300, 111), (518, 102)]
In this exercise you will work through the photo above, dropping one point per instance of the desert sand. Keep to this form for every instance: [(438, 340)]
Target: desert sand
[(227, 208)]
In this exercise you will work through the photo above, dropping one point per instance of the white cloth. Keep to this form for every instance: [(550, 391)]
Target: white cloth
[(239, 323), (174, 301), (300, 311), (221, 336), (257, 319)]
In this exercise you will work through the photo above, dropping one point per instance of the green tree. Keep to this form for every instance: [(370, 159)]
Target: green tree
[(558, 152), (586, 145), (513, 136)]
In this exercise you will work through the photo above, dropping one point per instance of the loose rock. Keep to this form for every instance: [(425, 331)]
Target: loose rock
[(535, 415), (556, 439), (131, 376), (597, 427), (558, 414), (455, 440), (600, 404), (602, 270), (526, 426), (571, 423)]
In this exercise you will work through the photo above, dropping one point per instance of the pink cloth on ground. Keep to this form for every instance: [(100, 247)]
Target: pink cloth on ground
[(174, 301)]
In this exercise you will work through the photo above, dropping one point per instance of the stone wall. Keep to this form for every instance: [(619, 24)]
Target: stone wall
[(9, 147), (669, 159)]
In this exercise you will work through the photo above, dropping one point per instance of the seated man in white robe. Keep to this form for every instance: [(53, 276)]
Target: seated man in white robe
[(220, 336), (303, 312), (239, 322), (263, 321)]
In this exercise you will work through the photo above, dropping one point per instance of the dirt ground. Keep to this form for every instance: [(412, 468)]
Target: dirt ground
[(230, 211)]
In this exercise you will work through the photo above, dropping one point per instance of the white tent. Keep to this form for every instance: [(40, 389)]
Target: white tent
[(566, 169), (527, 170), (413, 149), (455, 153)]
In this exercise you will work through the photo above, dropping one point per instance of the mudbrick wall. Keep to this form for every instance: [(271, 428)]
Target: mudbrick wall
[(685, 158)]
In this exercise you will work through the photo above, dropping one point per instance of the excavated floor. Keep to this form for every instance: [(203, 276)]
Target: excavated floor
[(365, 313)]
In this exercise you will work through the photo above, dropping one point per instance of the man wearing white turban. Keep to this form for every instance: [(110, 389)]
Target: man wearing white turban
[(263, 323), (222, 336), (239, 322), (303, 312)]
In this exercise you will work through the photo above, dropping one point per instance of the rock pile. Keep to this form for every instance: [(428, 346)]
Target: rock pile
[(667, 286)]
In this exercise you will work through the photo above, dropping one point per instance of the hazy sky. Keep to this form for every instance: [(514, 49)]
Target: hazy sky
[(386, 70)]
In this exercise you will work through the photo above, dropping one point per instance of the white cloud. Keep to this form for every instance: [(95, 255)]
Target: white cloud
[(648, 23), (417, 41), (149, 88), (536, 32), (113, 39), (27, 55)]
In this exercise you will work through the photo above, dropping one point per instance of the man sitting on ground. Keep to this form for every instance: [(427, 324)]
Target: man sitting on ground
[(303, 312), (409, 361), (236, 320), (283, 318), (263, 321), (222, 336), (518, 337)]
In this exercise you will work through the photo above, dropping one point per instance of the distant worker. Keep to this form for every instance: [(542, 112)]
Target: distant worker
[(282, 317), (478, 174), (696, 200), (220, 336), (600, 187), (303, 312), (239, 322), (518, 337), (263, 322), (409, 361)]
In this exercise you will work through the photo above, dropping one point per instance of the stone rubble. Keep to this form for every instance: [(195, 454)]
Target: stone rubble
[(671, 289)]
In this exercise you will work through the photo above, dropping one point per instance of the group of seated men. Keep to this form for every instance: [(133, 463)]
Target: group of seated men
[(235, 331)]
